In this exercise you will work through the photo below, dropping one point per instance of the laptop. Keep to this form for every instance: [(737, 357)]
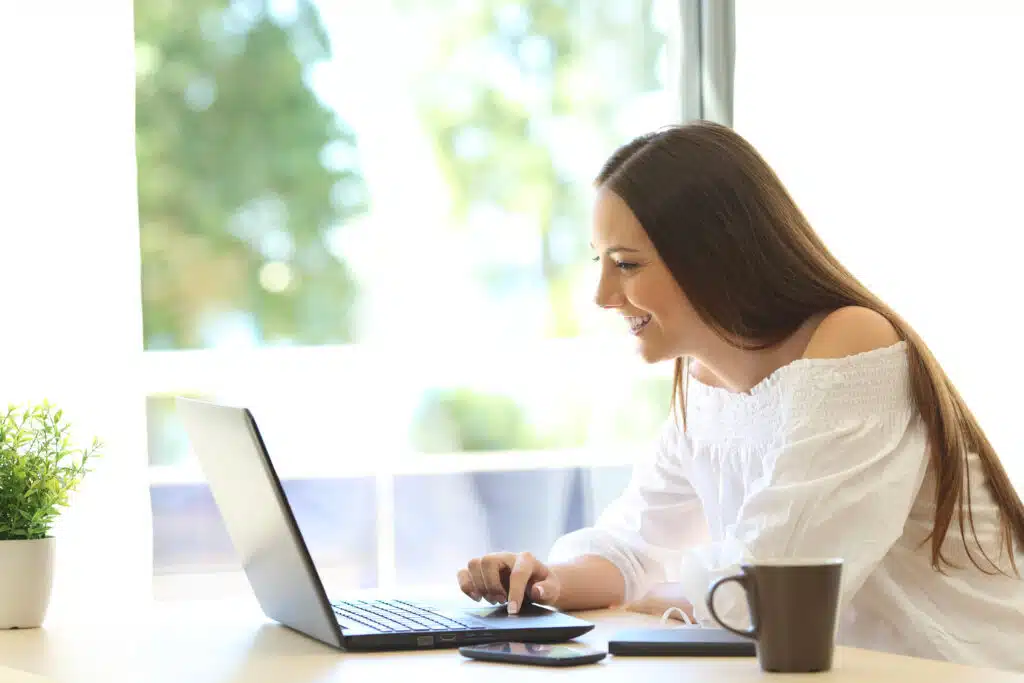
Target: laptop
[(279, 568)]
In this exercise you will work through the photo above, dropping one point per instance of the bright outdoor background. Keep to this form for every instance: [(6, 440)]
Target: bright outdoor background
[(370, 223)]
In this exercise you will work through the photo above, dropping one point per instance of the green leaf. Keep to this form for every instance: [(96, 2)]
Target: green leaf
[(39, 468)]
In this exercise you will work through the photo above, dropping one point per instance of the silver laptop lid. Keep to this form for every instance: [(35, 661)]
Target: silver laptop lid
[(252, 503)]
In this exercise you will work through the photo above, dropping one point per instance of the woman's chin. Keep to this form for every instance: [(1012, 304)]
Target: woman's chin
[(649, 354)]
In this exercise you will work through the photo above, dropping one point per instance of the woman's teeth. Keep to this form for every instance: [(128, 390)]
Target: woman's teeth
[(637, 323)]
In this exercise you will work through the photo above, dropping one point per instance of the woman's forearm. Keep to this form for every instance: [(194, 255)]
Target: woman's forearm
[(589, 582)]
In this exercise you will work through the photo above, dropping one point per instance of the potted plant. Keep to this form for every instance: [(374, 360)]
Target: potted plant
[(38, 469)]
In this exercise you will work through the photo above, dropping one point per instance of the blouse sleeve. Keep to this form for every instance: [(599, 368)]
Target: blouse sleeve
[(839, 481), (644, 531)]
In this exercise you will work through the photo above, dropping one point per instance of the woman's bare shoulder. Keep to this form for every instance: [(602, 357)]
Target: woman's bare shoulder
[(849, 331)]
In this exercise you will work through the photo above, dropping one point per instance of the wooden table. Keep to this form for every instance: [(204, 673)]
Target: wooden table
[(229, 641)]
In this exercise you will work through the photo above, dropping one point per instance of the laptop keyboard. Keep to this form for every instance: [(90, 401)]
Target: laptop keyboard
[(399, 616)]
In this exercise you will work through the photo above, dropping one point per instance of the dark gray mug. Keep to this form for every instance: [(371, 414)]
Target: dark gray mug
[(794, 607)]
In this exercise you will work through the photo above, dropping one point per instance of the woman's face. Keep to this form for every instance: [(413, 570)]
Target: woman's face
[(637, 284)]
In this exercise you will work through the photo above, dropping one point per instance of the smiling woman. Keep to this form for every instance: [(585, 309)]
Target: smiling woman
[(635, 283), (815, 422)]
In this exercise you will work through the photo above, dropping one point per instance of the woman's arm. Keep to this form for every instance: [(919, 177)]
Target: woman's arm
[(635, 542), (588, 582), (641, 535)]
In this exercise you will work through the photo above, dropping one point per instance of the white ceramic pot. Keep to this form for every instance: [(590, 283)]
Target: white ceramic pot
[(26, 579)]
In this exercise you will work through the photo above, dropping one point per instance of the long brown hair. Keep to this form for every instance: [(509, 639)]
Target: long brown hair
[(753, 269)]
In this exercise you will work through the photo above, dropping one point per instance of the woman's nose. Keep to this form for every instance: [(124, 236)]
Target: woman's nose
[(608, 295)]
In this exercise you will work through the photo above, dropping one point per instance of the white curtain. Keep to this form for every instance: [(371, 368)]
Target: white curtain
[(70, 301)]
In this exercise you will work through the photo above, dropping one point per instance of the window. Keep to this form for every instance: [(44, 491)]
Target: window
[(369, 223)]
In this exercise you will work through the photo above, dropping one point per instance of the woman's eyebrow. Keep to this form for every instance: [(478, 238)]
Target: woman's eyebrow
[(611, 250)]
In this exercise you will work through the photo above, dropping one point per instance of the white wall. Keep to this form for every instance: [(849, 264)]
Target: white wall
[(899, 128), (70, 303)]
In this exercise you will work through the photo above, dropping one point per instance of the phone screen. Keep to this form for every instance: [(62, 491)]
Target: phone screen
[(534, 650)]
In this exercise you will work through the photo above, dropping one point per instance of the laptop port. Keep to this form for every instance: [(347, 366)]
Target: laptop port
[(448, 638), (425, 641)]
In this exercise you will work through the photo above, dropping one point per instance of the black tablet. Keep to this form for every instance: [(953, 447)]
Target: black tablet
[(680, 641)]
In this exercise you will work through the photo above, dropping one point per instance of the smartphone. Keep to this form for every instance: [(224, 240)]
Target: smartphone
[(533, 653)]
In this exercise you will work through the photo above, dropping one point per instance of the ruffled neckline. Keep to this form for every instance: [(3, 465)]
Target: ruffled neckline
[(795, 367)]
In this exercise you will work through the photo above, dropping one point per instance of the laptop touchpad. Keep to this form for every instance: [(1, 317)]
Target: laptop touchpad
[(499, 611)]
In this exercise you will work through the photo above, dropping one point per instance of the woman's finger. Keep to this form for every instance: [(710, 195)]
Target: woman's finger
[(476, 572), (467, 585), (519, 578), (544, 592), (492, 566)]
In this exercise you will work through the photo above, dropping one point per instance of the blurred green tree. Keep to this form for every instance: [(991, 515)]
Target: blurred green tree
[(511, 91), (242, 174)]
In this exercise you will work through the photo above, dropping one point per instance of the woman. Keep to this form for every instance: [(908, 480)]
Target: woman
[(811, 421)]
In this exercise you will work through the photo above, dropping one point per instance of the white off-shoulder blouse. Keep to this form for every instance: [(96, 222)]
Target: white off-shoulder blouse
[(824, 458)]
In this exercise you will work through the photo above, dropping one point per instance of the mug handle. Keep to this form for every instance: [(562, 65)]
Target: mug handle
[(743, 581)]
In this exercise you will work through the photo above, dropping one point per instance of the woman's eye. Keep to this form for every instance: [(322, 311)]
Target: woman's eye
[(625, 265)]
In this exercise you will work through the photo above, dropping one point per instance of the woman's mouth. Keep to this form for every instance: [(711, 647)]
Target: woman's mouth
[(637, 323)]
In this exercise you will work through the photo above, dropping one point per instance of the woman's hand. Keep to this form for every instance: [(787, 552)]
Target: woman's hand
[(514, 578)]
